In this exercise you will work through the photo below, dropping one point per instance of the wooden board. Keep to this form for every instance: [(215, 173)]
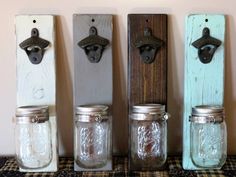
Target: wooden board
[(204, 83), (147, 83), (36, 84), (92, 81)]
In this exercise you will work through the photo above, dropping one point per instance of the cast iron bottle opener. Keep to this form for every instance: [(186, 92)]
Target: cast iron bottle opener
[(34, 46), (206, 46), (93, 45), (148, 46)]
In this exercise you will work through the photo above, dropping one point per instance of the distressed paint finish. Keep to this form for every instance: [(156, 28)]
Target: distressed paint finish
[(36, 84), (92, 81), (204, 83)]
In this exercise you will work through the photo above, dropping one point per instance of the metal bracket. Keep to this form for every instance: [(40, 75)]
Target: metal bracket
[(34, 46), (93, 45), (206, 46), (148, 46)]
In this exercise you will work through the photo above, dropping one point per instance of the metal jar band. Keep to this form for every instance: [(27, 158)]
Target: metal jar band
[(32, 114), (92, 113), (149, 112), (207, 114)]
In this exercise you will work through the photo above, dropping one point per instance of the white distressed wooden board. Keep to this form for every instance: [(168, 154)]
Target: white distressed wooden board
[(36, 84), (92, 81), (204, 83)]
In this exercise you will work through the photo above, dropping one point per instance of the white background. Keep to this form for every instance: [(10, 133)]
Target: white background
[(177, 10)]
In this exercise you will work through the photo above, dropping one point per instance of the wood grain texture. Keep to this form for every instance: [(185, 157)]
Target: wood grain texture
[(92, 81), (36, 84), (204, 83), (147, 83)]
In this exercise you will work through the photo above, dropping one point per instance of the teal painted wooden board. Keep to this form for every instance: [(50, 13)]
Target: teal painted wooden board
[(204, 83)]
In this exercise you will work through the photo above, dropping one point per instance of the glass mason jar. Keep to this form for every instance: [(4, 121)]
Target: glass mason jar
[(92, 136), (208, 141), (148, 137), (33, 137)]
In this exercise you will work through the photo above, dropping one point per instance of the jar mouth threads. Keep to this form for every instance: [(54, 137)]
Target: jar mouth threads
[(149, 112), (32, 114), (92, 113), (207, 114)]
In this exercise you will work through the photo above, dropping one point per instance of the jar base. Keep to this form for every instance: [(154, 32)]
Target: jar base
[(150, 163), (209, 163), (91, 164), (32, 164)]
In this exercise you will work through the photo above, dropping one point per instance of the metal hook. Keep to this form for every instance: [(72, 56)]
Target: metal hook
[(206, 46), (148, 46), (93, 45), (34, 46)]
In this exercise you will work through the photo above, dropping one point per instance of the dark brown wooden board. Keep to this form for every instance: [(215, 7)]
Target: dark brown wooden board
[(147, 83)]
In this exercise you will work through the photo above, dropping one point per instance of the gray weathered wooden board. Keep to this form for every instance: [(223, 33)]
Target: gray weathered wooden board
[(92, 81)]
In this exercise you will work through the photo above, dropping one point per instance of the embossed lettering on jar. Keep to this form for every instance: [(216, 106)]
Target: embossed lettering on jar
[(92, 136), (208, 140), (148, 137), (33, 137)]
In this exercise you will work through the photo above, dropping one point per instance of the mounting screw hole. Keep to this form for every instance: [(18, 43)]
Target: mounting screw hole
[(147, 20), (34, 21), (93, 20), (206, 20)]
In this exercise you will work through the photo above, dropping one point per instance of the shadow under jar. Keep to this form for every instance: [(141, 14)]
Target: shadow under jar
[(33, 142), (92, 136), (208, 141), (148, 137)]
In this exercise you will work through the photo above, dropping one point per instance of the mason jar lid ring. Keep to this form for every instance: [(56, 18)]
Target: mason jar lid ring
[(92, 113), (92, 109), (202, 110), (206, 119), (32, 119), (148, 108), (149, 112), (32, 114), (207, 114)]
